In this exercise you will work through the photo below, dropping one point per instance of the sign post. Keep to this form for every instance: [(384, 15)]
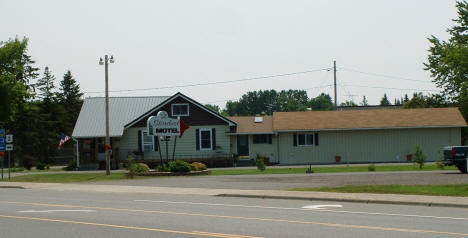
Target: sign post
[(9, 148), (2, 147), (164, 126)]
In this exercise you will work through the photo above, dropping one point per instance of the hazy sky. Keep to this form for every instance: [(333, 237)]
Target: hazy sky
[(167, 43)]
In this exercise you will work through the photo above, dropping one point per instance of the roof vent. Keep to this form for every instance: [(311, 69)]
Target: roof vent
[(258, 119)]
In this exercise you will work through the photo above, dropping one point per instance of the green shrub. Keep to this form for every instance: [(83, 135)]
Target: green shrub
[(17, 169), (179, 166), (197, 166), (419, 157), (72, 165), (371, 167), (41, 166), (260, 164), (440, 164), (138, 168), (163, 168)]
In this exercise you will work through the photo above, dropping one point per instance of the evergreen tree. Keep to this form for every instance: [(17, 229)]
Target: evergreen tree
[(50, 115), (364, 101), (70, 98), (384, 101), (406, 99), (45, 86)]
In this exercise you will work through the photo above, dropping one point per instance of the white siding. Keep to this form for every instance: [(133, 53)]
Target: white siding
[(368, 145), (268, 150), (185, 147)]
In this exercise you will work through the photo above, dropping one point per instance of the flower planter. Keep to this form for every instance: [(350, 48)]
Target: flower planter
[(338, 159), (191, 173)]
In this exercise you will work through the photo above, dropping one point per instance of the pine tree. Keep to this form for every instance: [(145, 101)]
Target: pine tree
[(384, 101), (50, 115), (406, 99), (364, 101), (69, 97), (45, 86)]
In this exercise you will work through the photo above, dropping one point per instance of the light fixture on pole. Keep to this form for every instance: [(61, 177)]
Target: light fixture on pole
[(108, 147)]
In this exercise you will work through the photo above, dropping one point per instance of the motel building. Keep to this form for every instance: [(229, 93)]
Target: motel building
[(284, 138)]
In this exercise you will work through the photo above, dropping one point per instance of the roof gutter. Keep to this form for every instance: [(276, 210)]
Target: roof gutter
[(375, 128)]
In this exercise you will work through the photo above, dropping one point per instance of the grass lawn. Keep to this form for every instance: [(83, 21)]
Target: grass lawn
[(460, 190), (335, 169), (71, 177)]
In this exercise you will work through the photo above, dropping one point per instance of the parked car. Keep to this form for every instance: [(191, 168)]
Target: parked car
[(456, 155)]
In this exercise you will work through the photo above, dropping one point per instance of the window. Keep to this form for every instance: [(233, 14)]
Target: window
[(180, 109), (262, 139), (305, 139), (205, 139), (146, 141)]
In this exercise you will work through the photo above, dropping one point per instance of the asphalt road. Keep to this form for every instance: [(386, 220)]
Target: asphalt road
[(287, 181), (42, 213)]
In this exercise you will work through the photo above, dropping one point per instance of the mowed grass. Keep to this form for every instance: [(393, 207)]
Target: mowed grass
[(460, 190), (331, 169), (70, 177)]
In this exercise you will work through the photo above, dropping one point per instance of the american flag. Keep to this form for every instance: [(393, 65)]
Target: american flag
[(63, 138)]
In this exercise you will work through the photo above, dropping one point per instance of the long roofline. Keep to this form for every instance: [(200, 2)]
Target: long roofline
[(179, 94)]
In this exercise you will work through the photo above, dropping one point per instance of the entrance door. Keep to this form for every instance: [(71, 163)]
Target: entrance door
[(243, 145)]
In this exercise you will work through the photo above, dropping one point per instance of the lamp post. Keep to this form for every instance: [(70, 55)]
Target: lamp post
[(106, 62)]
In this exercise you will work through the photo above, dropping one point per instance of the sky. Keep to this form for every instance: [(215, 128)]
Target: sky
[(379, 45)]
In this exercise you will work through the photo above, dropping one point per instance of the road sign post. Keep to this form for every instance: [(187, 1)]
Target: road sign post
[(9, 165)]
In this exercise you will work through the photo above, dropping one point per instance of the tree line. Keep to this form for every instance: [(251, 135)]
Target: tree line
[(32, 107), (269, 101)]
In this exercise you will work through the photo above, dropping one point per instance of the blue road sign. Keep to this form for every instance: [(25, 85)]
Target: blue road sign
[(2, 147), (2, 140), (2, 132)]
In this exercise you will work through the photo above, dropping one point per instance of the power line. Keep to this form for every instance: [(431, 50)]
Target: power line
[(402, 89), (322, 86), (218, 82), (383, 75)]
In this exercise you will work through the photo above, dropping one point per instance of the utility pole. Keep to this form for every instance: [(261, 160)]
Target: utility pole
[(108, 148), (107, 117), (334, 79)]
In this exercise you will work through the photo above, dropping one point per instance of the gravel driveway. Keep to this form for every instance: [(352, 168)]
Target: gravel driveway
[(287, 181)]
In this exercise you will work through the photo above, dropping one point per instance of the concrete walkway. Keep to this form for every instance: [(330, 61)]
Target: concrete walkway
[(444, 201)]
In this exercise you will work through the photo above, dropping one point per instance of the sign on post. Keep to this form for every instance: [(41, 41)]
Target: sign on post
[(163, 125), (9, 138), (9, 147), (2, 147)]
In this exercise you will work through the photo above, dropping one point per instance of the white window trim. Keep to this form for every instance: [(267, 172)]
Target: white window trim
[(305, 139), (147, 143), (211, 138), (179, 104)]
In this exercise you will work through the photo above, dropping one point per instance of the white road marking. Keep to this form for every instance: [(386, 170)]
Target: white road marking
[(302, 209), (321, 206), (49, 211)]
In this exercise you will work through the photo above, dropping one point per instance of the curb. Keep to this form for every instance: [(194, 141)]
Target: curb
[(426, 204), (12, 186)]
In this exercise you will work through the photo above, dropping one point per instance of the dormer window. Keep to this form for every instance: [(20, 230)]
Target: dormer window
[(180, 109)]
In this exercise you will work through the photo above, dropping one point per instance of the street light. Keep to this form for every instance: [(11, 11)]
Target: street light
[(107, 142)]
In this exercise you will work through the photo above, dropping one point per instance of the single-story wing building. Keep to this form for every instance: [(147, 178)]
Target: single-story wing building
[(285, 138)]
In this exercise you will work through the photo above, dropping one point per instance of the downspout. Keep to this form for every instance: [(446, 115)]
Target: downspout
[(77, 153)]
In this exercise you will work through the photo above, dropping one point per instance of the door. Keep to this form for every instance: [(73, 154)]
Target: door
[(243, 145)]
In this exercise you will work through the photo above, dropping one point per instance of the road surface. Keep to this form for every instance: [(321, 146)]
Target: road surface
[(45, 214)]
